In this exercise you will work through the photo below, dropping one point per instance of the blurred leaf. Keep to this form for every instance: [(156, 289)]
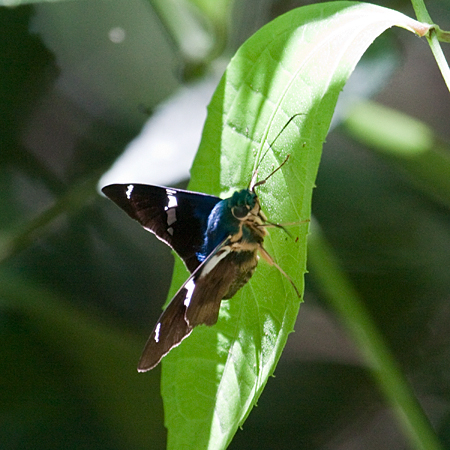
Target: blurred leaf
[(408, 143), (186, 27), (24, 2), (342, 296), (297, 64), (102, 359)]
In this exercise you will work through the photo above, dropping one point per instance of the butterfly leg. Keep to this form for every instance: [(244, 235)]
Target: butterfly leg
[(264, 253)]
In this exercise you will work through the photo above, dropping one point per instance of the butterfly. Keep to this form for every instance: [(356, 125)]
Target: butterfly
[(218, 240)]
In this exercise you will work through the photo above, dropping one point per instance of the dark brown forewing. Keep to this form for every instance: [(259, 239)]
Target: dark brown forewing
[(177, 217)]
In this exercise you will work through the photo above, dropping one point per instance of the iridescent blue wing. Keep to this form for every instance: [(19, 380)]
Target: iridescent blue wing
[(177, 217)]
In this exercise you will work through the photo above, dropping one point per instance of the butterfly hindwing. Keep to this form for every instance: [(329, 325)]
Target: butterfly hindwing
[(223, 275), (169, 331), (177, 217), (196, 302)]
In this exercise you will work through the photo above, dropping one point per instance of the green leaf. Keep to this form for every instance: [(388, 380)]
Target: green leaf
[(297, 64)]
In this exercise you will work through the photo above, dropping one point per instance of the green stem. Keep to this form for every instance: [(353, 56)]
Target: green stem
[(345, 300), (421, 11), (433, 42), (433, 37), (73, 200)]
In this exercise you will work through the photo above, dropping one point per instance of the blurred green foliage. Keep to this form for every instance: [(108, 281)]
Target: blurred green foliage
[(80, 286)]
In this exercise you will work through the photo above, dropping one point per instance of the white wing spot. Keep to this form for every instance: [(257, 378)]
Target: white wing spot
[(171, 209), (190, 286), (171, 216), (214, 261), (130, 188), (157, 330), (172, 199)]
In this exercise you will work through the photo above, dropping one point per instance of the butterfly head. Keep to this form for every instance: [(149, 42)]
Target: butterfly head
[(244, 203)]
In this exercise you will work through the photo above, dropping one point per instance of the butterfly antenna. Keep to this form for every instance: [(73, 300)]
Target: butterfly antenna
[(259, 183), (252, 182), (255, 172)]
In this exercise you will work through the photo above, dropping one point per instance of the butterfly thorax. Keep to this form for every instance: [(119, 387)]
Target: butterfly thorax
[(239, 218), (237, 223)]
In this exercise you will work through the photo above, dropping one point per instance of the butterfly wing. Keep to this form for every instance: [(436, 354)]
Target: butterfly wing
[(180, 218), (177, 217), (197, 302), (169, 331)]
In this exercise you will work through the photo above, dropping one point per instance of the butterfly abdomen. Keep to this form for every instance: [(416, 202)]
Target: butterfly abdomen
[(220, 281), (244, 263)]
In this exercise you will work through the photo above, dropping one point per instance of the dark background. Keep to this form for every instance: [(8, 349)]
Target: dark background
[(81, 285)]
